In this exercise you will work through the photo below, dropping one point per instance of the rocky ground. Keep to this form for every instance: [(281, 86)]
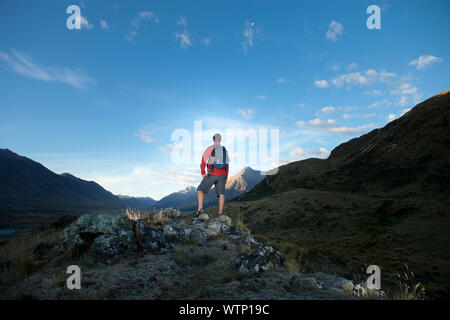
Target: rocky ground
[(169, 256)]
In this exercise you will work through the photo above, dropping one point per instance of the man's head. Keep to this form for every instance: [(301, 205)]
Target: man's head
[(217, 138)]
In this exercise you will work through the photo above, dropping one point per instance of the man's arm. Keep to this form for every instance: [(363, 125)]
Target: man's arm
[(202, 167), (205, 158)]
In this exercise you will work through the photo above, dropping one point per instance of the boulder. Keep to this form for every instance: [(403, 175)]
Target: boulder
[(179, 234), (224, 219), (203, 217), (106, 235), (262, 258), (171, 212), (345, 285), (150, 239), (215, 229)]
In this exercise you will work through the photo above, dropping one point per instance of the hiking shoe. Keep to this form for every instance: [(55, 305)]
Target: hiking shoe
[(199, 212)]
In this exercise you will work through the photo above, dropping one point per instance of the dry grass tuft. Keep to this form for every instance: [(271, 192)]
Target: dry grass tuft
[(410, 289), (152, 218)]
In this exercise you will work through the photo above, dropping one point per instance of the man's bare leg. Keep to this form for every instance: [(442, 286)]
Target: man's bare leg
[(200, 196), (221, 203)]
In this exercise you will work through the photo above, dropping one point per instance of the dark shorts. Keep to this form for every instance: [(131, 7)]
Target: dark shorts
[(217, 180)]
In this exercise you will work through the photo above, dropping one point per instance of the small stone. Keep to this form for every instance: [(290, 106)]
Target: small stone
[(346, 285), (203, 217)]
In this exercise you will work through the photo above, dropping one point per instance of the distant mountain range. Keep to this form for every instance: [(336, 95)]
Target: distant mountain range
[(138, 202), (28, 186), (236, 185)]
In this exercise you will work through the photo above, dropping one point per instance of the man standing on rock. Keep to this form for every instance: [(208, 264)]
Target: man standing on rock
[(215, 159)]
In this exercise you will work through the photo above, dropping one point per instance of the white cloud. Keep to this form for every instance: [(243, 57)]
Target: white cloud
[(185, 39), (423, 61), (299, 153), (104, 24), (335, 30), (335, 66), (145, 136), (367, 78), (326, 110), (347, 108), (24, 65), (301, 105), (316, 123), (131, 35), (376, 104), (141, 17), (206, 42), (181, 21), (85, 23), (249, 35), (321, 83), (246, 113), (352, 66), (144, 16), (391, 117), (282, 80), (348, 130), (169, 147), (408, 93), (347, 116), (400, 89), (329, 126), (138, 180), (261, 97), (375, 93)]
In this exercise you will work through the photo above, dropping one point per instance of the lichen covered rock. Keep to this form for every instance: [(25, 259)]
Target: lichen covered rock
[(107, 235), (171, 212), (224, 219), (262, 258), (176, 233), (150, 239)]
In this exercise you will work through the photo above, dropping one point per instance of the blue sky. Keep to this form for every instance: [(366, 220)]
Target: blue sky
[(102, 102)]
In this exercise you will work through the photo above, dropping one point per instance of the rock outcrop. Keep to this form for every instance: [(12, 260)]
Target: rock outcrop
[(195, 258), (108, 236)]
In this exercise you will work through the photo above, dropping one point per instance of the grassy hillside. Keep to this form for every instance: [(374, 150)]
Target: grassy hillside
[(408, 156), (342, 233), (381, 199)]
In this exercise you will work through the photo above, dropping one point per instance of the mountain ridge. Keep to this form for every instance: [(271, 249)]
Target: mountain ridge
[(381, 161)]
